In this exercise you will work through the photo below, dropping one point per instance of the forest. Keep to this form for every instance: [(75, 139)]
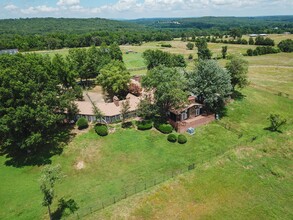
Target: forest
[(55, 33)]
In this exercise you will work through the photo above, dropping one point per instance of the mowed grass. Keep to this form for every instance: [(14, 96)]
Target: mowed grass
[(250, 179), (127, 157)]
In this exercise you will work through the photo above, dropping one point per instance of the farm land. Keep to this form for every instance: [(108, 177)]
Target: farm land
[(243, 171)]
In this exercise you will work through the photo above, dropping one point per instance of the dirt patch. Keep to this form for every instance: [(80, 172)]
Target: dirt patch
[(80, 165)]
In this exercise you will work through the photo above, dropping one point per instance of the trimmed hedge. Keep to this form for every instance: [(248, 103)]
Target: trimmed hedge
[(144, 125), (182, 139), (101, 129), (172, 138), (164, 128), (82, 123)]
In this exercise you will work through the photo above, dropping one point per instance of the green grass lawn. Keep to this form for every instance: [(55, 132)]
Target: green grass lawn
[(117, 161)]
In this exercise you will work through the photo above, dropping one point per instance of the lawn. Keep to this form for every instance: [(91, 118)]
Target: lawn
[(113, 163)]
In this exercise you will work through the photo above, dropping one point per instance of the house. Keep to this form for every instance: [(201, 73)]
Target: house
[(111, 111), (190, 115), (253, 35), (9, 51)]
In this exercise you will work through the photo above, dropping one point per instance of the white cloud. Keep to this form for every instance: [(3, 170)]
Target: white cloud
[(39, 9), (10, 7), (67, 2)]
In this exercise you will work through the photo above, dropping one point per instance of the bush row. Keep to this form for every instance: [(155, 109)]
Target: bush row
[(163, 127), (262, 50), (144, 125), (173, 138)]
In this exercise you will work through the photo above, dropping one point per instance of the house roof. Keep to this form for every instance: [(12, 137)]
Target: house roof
[(180, 110), (108, 109)]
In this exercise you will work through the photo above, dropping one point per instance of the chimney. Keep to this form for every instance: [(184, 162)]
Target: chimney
[(191, 99), (116, 100)]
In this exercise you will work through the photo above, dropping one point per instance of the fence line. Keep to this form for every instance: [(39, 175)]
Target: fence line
[(138, 187)]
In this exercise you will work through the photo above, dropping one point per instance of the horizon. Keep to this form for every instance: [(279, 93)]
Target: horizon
[(143, 9)]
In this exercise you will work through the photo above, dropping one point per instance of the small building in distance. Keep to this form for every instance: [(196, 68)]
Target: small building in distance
[(9, 51)]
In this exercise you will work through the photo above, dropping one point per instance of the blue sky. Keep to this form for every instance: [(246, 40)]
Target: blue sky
[(128, 9)]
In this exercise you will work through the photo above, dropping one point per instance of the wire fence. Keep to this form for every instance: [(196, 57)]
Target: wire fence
[(138, 187)]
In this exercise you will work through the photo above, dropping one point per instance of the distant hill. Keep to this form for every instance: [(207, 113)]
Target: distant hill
[(220, 23), (62, 25)]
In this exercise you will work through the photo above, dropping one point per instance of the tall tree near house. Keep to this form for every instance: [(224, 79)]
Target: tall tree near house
[(146, 108), (203, 51), (50, 175), (238, 69), (125, 107), (61, 69), (212, 83), (33, 104), (169, 86), (114, 78), (97, 112), (224, 51)]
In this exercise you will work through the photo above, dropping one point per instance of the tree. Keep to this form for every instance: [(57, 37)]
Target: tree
[(190, 46), (286, 45), (125, 107), (203, 52), (211, 83), (50, 175), (98, 113), (154, 58), (224, 51), (251, 41), (114, 78), (238, 69), (169, 86), (146, 108), (32, 104), (276, 122), (115, 52), (235, 32)]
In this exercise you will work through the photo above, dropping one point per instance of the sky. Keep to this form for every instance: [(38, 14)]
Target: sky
[(131, 9)]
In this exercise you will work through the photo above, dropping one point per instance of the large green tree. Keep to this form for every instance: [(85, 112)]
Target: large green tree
[(169, 86), (114, 78), (32, 103), (211, 83), (238, 69)]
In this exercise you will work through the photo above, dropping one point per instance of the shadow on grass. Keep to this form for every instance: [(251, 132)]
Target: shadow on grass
[(42, 156), (236, 95), (272, 129), (65, 208)]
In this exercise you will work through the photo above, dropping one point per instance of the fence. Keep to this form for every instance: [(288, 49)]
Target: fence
[(139, 187)]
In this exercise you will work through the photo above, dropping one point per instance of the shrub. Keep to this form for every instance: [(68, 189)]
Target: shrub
[(166, 45), (101, 129), (82, 123), (164, 127), (286, 45), (144, 125), (182, 139), (172, 138)]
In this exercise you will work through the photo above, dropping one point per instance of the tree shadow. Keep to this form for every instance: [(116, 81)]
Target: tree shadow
[(236, 95), (272, 129), (42, 156), (65, 208)]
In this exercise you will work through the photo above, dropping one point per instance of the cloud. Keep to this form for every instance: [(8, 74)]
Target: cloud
[(67, 2), (39, 9), (10, 7)]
